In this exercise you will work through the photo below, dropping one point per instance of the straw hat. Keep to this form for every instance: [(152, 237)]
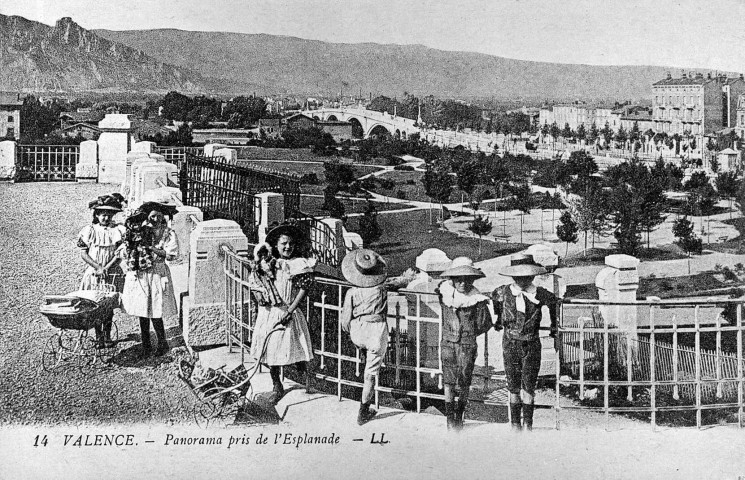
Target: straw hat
[(364, 268), (522, 265), (462, 267), (106, 202)]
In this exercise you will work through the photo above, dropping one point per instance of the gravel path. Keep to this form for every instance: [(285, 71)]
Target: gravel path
[(38, 228)]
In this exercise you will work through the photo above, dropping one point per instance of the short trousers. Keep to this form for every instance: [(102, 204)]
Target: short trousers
[(457, 363), (522, 361), (373, 338)]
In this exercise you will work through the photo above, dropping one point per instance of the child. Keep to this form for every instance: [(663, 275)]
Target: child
[(364, 317), (148, 288), (98, 243), (293, 277), (518, 309), (465, 316)]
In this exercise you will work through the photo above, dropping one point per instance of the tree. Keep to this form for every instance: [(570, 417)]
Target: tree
[(554, 131), (244, 112), (567, 230), (522, 200), (467, 176), (183, 137), (727, 186), (621, 136), (607, 133), (438, 184), (369, 229), (566, 132), (687, 240), (176, 106), (480, 226), (38, 120), (588, 212), (581, 131), (593, 133)]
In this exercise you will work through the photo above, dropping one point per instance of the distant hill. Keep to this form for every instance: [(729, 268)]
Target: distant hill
[(315, 67), (36, 57)]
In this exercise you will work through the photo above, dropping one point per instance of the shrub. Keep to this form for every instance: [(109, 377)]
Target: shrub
[(407, 168)]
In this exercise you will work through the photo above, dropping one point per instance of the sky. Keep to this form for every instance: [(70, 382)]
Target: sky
[(708, 34)]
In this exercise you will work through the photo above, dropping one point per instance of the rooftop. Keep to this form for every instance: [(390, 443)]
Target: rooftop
[(10, 98)]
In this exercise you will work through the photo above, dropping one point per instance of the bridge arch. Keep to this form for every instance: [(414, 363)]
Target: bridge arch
[(332, 118), (357, 130), (378, 130)]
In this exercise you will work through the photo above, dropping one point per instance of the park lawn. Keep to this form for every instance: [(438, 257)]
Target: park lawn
[(596, 256), (305, 168), (312, 206), (408, 234)]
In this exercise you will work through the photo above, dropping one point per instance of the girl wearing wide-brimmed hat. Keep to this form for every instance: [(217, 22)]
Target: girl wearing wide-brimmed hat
[(148, 287), (364, 316), (465, 316), (292, 278), (518, 308), (98, 243)]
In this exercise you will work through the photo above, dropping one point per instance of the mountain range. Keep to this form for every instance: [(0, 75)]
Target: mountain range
[(67, 57)]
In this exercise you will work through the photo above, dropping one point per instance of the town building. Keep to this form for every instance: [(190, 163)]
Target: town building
[(637, 115), (579, 113), (10, 115), (272, 127), (696, 104), (82, 115), (740, 114)]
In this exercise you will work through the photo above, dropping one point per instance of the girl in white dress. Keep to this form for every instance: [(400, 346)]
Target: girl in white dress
[(98, 243), (148, 287), (293, 277)]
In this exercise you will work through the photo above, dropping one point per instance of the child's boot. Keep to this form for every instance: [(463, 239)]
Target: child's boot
[(160, 330), (365, 414), (515, 410), (145, 336), (460, 410), (450, 415), (528, 409)]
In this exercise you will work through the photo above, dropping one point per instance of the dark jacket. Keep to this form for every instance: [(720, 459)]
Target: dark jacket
[(519, 325), (463, 324)]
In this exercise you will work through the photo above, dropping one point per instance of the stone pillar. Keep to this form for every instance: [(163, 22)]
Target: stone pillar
[(204, 308), (183, 224), (113, 145), (619, 282), (7, 159), (150, 176), (87, 168), (146, 147), (229, 154), (272, 211), (209, 149)]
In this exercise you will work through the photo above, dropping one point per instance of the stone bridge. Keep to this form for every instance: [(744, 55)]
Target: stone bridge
[(370, 122)]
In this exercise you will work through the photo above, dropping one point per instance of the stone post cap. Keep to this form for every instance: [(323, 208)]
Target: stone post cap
[(433, 260), (622, 262), (543, 255), (115, 121), (209, 149), (164, 195)]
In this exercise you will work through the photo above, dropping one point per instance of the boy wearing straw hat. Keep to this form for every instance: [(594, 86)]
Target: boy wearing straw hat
[(364, 317), (465, 316), (518, 307)]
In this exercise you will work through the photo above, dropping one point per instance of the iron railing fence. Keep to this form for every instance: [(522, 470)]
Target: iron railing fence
[(649, 358), (46, 163), (177, 155), (412, 364), (222, 189)]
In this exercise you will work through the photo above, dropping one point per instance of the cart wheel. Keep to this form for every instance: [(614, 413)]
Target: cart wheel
[(86, 352), (51, 356), (204, 413)]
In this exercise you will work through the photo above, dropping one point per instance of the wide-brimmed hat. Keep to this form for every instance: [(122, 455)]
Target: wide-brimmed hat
[(364, 268), (522, 265), (106, 202), (293, 231), (166, 208), (462, 267)]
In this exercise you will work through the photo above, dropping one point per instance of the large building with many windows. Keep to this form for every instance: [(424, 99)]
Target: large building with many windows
[(10, 115), (696, 104)]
